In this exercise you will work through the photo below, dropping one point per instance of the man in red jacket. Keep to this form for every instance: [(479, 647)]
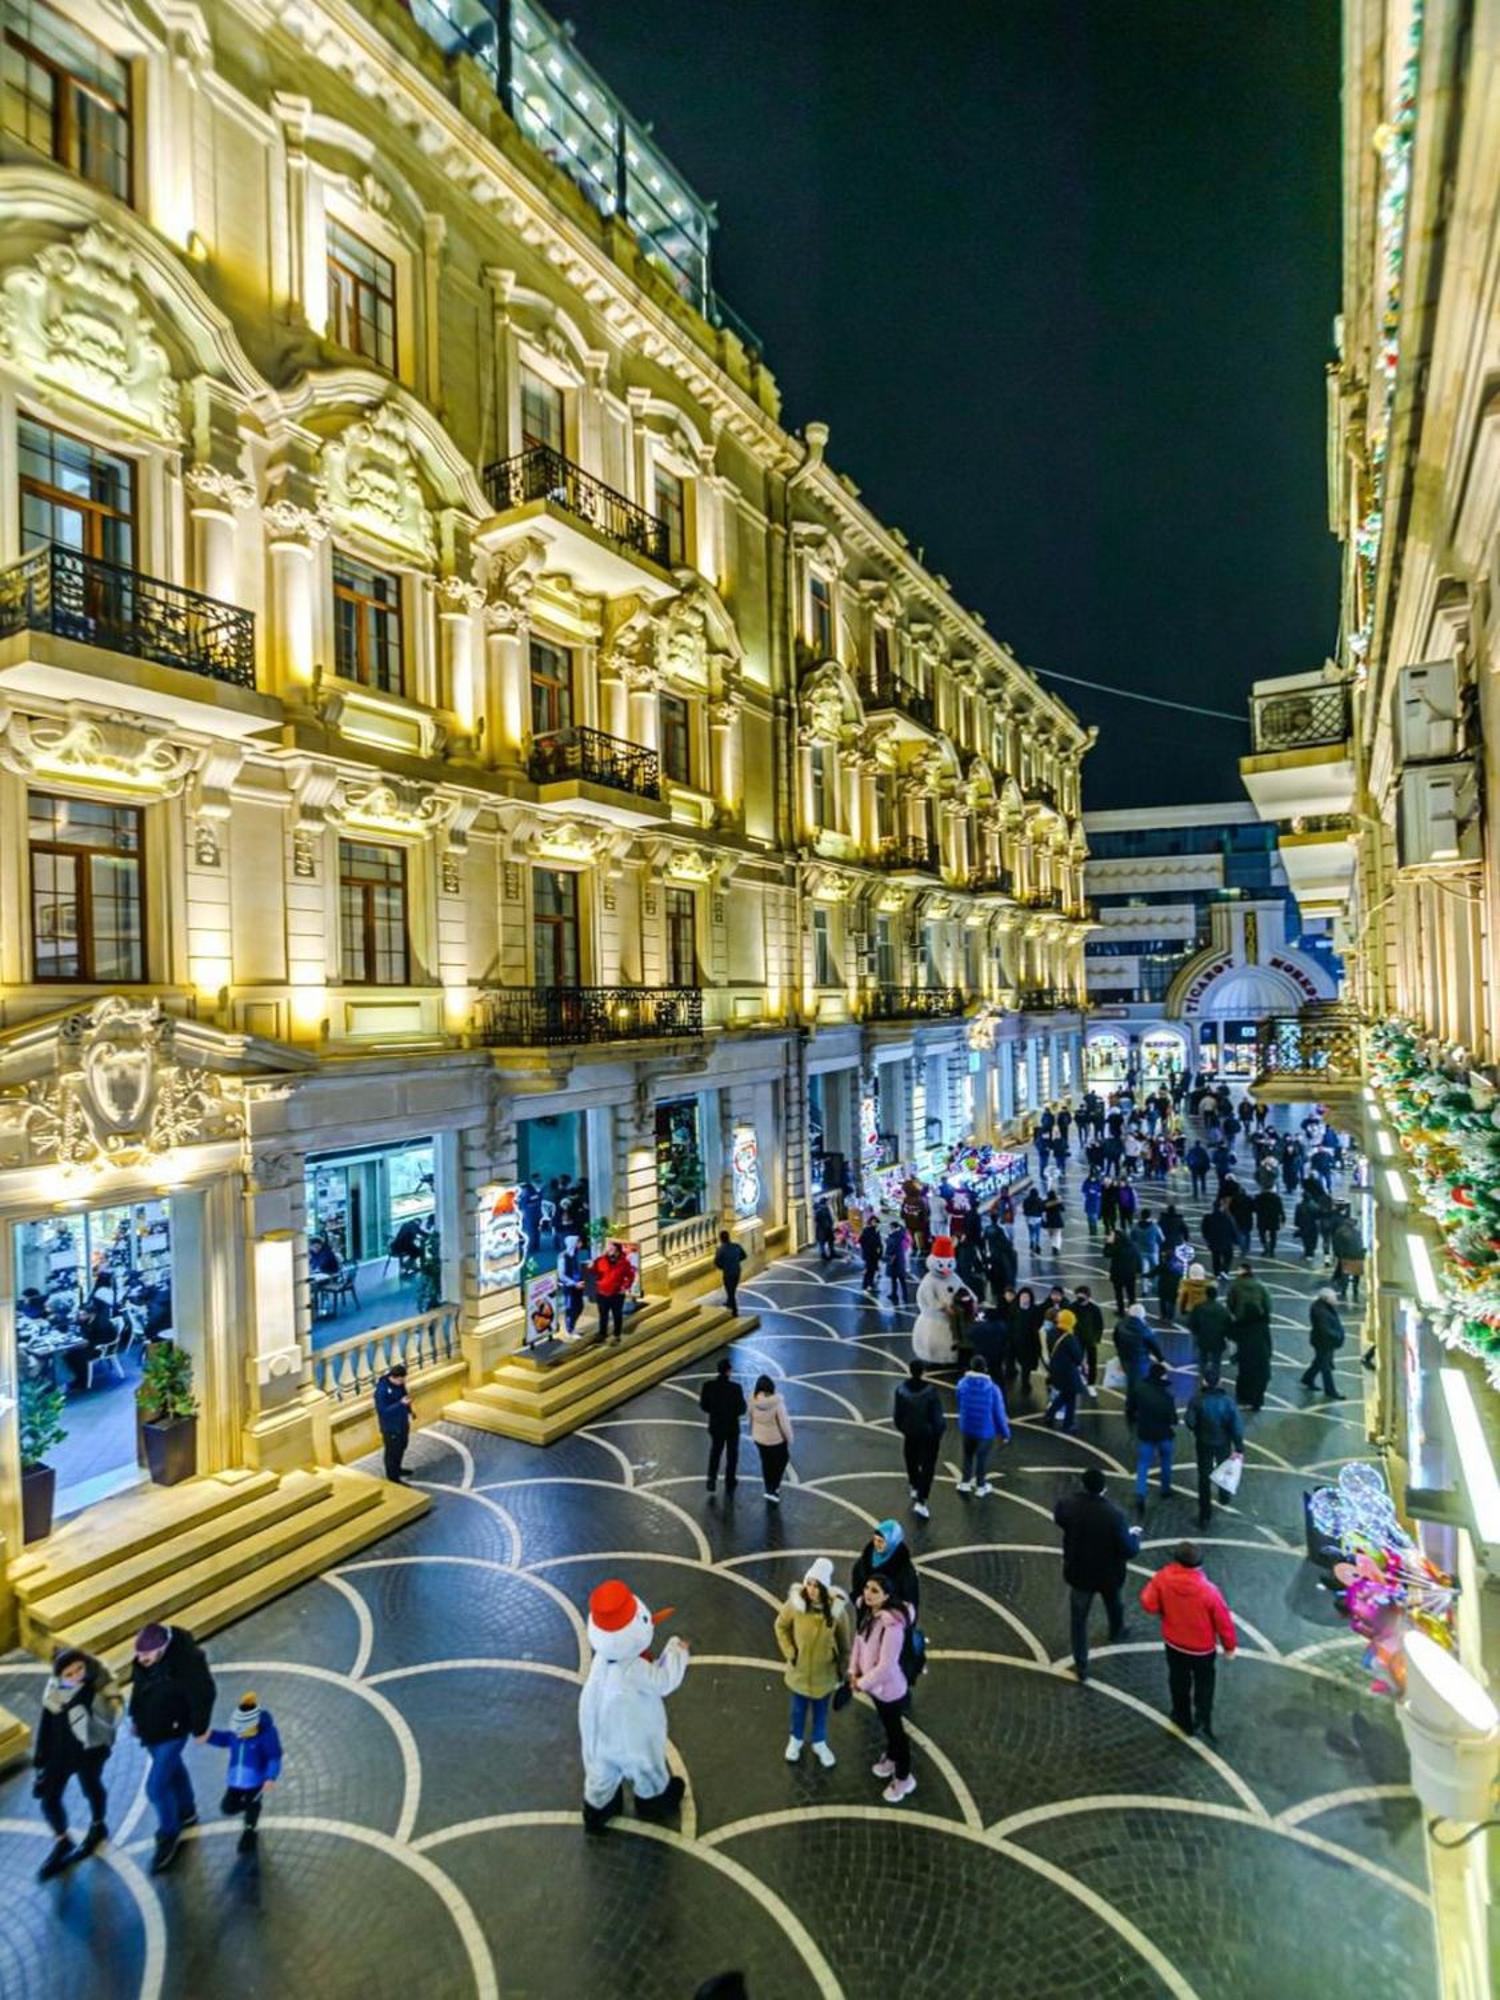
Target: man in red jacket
[(1195, 1622), (614, 1274)]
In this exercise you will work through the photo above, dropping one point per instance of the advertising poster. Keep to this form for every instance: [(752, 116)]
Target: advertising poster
[(543, 1309), (502, 1244), (745, 1167)]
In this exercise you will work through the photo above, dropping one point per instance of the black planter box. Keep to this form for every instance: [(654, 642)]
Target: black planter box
[(171, 1449), (38, 1490)]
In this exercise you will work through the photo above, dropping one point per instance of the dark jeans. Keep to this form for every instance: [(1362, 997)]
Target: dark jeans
[(899, 1285), (239, 1800), (976, 1458), (1124, 1292), (53, 1782), (897, 1748), (1208, 1457), (872, 1275), (1190, 1676), (727, 1448), (394, 1444), (611, 1308), (1322, 1364), (1080, 1602), (1064, 1404), (921, 1456), (169, 1787), (1223, 1261), (773, 1463), (1268, 1241), (732, 1293)]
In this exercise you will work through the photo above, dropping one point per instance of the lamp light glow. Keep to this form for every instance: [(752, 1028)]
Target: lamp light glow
[(1480, 1481), (1422, 1271)]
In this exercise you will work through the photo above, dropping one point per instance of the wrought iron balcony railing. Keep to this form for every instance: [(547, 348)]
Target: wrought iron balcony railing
[(894, 691), (99, 603), (543, 474), (1299, 719), (1046, 1000), (913, 1003), (567, 1016), (1320, 1047), (1039, 899), (991, 882), (902, 853), (600, 759)]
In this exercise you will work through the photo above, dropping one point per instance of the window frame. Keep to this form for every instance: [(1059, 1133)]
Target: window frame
[(825, 965), (365, 888), (348, 592), (557, 923), (679, 927), (822, 623), (820, 788), (529, 378), (80, 854), (346, 318), (674, 516), (680, 730), (560, 689), (96, 515), (68, 129)]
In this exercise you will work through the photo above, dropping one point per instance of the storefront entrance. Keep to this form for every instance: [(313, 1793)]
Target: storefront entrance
[(372, 1237), (680, 1177), (93, 1287), (553, 1192)]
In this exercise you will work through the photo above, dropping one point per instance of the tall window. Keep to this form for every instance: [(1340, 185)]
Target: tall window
[(887, 806), (682, 938), (825, 972), (367, 625), (817, 759), (65, 96), (361, 297), (671, 509), (554, 927), (372, 914), (882, 651), (551, 688), (676, 739), (885, 952), (74, 494), (87, 918), (820, 608), (542, 414)]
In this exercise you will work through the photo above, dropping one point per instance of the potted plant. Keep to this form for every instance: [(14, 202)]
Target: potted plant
[(39, 1414), (169, 1413), (430, 1273)]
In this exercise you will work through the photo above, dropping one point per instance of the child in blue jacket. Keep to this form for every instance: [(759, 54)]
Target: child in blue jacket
[(254, 1762)]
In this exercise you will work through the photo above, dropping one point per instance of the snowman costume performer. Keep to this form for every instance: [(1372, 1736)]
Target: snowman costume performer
[(932, 1336), (622, 1712)]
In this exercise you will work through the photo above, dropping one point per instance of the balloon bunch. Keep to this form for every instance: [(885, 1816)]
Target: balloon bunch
[(1387, 1585)]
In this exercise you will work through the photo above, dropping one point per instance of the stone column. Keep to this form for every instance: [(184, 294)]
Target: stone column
[(458, 606), (294, 528), (723, 723)]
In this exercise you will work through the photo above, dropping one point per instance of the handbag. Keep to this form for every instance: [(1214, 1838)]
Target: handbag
[(843, 1694), (1114, 1374), (1226, 1474)]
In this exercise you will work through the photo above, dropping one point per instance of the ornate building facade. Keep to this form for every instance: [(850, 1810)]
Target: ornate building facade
[(452, 736)]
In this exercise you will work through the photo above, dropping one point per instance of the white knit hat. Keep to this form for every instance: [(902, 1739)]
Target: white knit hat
[(1136, 1311), (820, 1572)]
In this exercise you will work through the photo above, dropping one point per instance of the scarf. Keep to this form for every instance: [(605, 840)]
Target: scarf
[(61, 1697), (891, 1531), (247, 1721)]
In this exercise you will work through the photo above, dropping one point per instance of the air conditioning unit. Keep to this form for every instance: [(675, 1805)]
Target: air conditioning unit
[(1438, 817), (1425, 712)]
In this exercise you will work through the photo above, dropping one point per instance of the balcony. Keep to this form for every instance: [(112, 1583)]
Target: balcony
[(606, 543), (1300, 759), (1319, 856), (893, 691), (574, 1016), (997, 882), (603, 776), (1314, 1054), (901, 855), (913, 1003), (1047, 1000), (1039, 899)]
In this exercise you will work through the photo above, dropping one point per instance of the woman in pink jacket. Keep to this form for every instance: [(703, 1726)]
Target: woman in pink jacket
[(875, 1670), (771, 1429), (1195, 1622)]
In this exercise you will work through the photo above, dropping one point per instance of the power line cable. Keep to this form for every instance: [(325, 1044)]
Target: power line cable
[(1132, 694)]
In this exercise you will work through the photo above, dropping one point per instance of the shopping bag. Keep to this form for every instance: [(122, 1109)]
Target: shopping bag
[(1114, 1374), (1226, 1475)]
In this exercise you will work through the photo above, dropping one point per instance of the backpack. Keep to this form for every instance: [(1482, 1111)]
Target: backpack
[(913, 1652)]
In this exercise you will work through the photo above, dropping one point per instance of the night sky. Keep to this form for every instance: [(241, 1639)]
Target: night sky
[(1061, 276)]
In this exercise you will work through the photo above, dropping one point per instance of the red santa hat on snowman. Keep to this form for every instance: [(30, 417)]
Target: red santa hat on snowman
[(620, 1626), (941, 1257)]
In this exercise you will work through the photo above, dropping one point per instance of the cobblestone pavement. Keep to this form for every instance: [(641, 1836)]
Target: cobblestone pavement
[(1063, 1840)]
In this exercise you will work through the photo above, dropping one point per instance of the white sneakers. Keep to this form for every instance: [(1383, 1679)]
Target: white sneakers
[(965, 1486), (898, 1789), (982, 1492), (884, 1769), (919, 1508), (793, 1749), (824, 1756)]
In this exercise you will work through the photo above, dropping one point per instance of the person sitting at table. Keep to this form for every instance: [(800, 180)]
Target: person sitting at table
[(322, 1258), (406, 1244), (31, 1311), (98, 1330)]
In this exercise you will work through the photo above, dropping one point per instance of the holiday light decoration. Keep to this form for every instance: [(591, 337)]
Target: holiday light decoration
[(1451, 1137)]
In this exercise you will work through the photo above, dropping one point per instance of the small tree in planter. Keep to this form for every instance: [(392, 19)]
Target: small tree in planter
[(39, 1411), (169, 1413), (430, 1273)]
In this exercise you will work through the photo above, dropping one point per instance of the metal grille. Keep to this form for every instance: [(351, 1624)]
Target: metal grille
[(991, 882), (913, 1003), (1300, 719), (900, 852), (1320, 1048), (544, 474), (893, 691), (566, 1016), (600, 759), (104, 604)]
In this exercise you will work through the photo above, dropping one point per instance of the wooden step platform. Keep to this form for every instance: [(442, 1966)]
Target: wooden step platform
[(200, 1555), (539, 1403)]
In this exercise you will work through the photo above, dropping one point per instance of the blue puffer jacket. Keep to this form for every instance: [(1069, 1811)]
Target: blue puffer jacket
[(981, 1407), (252, 1759)]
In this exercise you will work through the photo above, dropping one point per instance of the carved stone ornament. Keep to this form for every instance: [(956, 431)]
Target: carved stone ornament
[(570, 840), (724, 709), (371, 483), (628, 644), (390, 805), (213, 486), (278, 1168), (118, 1096), (96, 749), (206, 851), (75, 319), (453, 874), (304, 854), (513, 576), (458, 598), (827, 885), (288, 521)]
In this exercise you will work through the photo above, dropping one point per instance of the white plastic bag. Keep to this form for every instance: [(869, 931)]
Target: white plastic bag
[(1114, 1374), (1226, 1475)]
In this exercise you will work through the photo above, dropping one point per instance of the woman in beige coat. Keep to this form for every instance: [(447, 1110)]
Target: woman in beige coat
[(814, 1630), (771, 1430)]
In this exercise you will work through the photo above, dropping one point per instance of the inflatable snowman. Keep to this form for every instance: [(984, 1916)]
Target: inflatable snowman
[(622, 1712), (932, 1336)]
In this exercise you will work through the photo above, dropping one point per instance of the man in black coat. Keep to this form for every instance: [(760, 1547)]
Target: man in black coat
[(918, 1415), (1214, 1420), (393, 1414), (1098, 1542), (1221, 1236), (1089, 1327), (722, 1401), (171, 1699), (1211, 1326)]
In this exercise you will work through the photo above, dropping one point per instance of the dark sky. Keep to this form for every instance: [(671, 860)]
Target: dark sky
[(1060, 274)]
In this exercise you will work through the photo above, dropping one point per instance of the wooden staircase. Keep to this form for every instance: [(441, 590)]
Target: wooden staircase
[(200, 1554), (538, 1403)]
